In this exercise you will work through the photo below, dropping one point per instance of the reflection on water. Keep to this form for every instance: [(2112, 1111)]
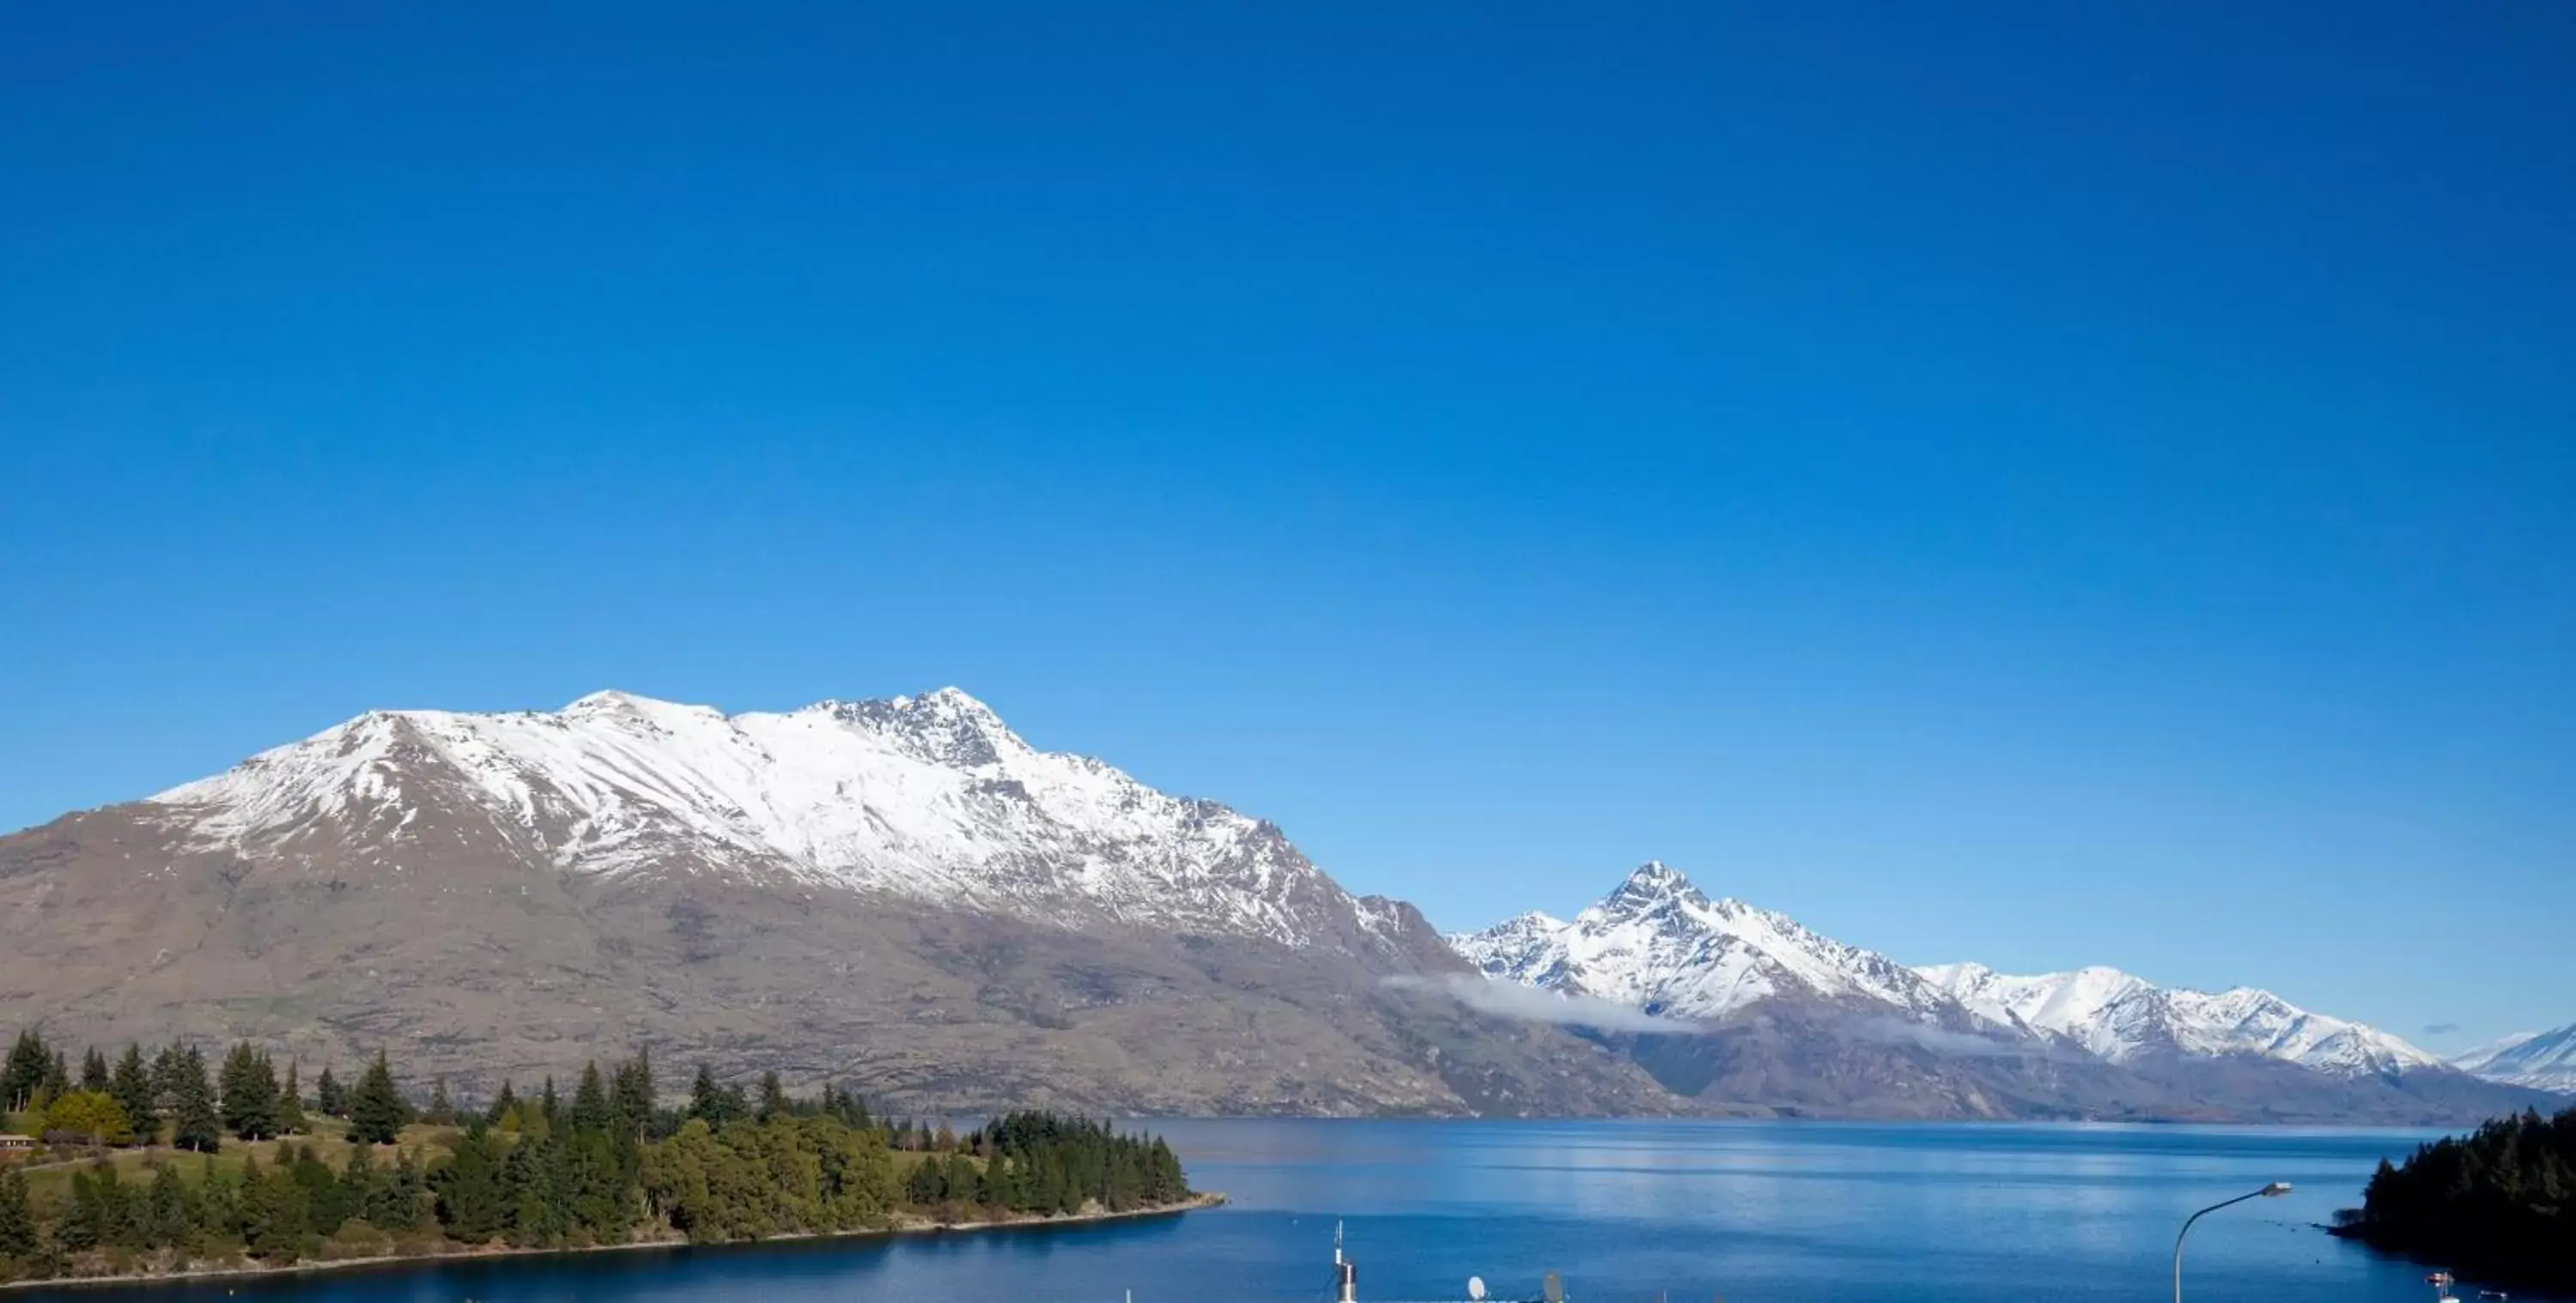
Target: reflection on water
[(1625, 1210)]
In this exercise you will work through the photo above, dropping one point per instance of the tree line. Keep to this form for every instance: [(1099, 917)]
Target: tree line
[(2497, 1205), (607, 1163), (132, 1102)]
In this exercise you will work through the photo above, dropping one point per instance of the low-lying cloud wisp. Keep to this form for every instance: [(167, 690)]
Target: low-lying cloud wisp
[(1504, 999), (1954, 1044)]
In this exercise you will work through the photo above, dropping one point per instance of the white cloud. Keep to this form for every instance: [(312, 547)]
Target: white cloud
[(1957, 1045), (1505, 999)]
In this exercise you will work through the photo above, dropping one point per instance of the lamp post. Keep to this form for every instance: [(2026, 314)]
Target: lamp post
[(2272, 1191)]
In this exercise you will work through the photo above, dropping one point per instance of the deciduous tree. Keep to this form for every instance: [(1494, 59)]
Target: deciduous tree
[(92, 1114)]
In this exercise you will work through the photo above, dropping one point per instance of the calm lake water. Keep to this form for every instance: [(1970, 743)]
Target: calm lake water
[(1750, 1212)]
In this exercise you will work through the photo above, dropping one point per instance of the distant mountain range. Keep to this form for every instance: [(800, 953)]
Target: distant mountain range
[(904, 895), (2095, 1042), (2124, 1018)]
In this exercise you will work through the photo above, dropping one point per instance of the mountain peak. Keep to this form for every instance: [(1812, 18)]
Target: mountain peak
[(612, 703), (1656, 871), (1651, 884), (951, 697), (1657, 943)]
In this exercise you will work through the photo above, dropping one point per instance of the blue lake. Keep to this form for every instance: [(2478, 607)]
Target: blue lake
[(1633, 1211)]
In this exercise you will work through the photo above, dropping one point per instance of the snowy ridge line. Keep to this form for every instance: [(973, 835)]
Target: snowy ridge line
[(2121, 1017), (926, 796), (1658, 944), (2539, 1060)]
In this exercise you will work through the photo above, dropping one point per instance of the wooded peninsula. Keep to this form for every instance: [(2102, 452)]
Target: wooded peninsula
[(157, 1166), (2497, 1206)]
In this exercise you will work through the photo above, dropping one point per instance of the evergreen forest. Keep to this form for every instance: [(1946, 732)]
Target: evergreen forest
[(165, 1163)]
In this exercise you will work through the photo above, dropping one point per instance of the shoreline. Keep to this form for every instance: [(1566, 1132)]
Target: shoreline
[(399, 1261)]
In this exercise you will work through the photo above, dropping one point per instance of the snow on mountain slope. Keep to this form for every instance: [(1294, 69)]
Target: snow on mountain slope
[(2541, 1061), (2472, 1060), (1658, 944), (1517, 948), (2121, 1017), (930, 797)]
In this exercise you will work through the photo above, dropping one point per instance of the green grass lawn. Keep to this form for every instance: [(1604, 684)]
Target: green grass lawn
[(50, 1184)]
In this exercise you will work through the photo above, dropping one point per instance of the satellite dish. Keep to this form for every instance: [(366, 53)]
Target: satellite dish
[(1476, 1288)]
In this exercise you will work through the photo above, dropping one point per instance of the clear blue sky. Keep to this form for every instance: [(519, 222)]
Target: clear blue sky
[(2045, 483)]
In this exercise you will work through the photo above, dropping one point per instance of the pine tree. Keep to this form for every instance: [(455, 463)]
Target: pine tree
[(396, 1205), (167, 1064), (274, 1215), (218, 1207), (706, 1098), (501, 1104), (195, 1123), (83, 1225), (165, 1209), (852, 1109), (547, 1105), (18, 1239), (590, 1101), (773, 1096), (94, 1071), (328, 1098), (290, 1104), (131, 1087), (928, 1184), (58, 1078), (328, 1200), (537, 1191), (358, 1180), (377, 1113), (442, 1110), (630, 1096), (472, 1204), (249, 1093), (28, 1060)]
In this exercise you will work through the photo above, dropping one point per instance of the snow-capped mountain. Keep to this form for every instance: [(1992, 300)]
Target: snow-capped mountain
[(929, 797), (2123, 1018), (1658, 944), (900, 894), (2539, 1060)]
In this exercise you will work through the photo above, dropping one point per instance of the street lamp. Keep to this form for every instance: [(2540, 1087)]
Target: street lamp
[(2273, 1191)]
